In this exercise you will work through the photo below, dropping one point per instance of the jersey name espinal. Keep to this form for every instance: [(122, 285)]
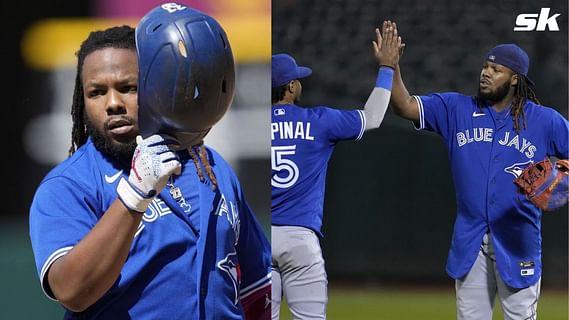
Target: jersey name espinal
[(486, 134), (291, 130)]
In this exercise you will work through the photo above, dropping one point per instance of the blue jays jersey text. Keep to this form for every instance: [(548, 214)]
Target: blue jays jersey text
[(486, 155), (192, 257), (302, 141)]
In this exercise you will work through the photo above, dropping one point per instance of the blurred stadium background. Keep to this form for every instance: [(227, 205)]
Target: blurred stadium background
[(40, 40), (390, 203)]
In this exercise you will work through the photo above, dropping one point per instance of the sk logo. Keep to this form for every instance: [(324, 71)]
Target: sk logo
[(537, 21)]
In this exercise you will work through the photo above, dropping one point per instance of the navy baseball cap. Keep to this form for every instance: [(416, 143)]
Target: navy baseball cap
[(511, 56), (284, 69)]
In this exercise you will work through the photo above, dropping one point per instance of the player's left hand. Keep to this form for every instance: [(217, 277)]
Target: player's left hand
[(389, 47), (546, 184)]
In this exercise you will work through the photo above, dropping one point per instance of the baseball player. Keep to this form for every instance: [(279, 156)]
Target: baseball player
[(303, 140), (491, 137), (133, 227)]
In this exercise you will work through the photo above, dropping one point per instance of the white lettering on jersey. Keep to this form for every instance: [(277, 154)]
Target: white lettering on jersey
[(531, 151), (231, 213), (480, 134), (291, 130), (515, 142), (526, 147), (486, 135), (157, 208), (287, 130)]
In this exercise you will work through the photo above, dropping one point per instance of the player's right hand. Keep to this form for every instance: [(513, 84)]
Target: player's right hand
[(388, 48), (152, 165)]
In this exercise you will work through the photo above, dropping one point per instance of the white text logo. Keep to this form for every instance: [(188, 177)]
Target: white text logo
[(172, 7), (537, 21)]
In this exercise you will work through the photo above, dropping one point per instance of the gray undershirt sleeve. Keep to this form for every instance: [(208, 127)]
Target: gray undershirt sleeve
[(375, 107)]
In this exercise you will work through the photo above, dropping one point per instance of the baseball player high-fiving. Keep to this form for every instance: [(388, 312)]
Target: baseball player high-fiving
[(302, 142), (491, 137)]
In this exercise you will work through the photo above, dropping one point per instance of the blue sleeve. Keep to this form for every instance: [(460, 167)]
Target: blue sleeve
[(435, 111), (59, 218), (343, 124), (559, 136), (253, 250)]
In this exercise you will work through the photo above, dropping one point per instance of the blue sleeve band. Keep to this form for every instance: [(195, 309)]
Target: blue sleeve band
[(384, 78)]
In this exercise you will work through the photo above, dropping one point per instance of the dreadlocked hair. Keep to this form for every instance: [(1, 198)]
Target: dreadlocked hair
[(198, 152), (278, 93), (121, 37), (522, 92)]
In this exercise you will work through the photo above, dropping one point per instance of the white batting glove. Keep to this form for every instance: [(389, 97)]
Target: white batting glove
[(152, 165)]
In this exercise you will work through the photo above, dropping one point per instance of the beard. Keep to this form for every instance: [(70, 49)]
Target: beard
[(116, 150), (497, 95)]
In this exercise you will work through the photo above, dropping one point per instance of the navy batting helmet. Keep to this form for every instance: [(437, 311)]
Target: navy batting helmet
[(187, 73)]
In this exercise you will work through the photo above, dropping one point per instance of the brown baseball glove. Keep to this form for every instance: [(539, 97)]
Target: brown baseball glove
[(546, 183)]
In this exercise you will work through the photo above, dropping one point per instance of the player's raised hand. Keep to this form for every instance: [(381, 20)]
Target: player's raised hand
[(389, 47), (153, 163)]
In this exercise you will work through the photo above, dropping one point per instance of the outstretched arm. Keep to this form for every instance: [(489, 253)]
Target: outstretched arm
[(387, 52), (402, 103)]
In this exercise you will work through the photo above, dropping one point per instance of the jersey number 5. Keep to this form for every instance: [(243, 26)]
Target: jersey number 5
[(279, 163)]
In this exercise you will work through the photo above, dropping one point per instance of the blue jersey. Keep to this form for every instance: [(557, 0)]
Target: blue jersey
[(192, 258), (302, 142), (486, 155)]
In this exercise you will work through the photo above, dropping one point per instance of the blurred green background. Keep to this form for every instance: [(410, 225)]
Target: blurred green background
[(22, 296), (404, 303)]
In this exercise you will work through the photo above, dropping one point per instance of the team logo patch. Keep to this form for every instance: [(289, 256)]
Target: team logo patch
[(279, 112), (517, 168), (230, 265)]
